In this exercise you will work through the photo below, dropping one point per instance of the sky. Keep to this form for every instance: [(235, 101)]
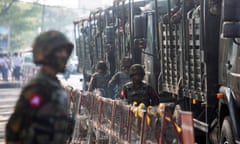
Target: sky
[(83, 7), (76, 4)]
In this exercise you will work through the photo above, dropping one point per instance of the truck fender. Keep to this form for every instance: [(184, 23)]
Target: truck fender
[(233, 110)]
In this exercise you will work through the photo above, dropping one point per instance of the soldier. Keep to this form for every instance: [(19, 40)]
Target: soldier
[(137, 90), (99, 80), (120, 78), (16, 62), (41, 113)]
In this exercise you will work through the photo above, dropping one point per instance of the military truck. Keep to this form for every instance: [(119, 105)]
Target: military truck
[(190, 51), (105, 35), (198, 42)]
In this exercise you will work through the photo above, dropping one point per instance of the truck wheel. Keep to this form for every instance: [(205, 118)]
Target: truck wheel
[(226, 132)]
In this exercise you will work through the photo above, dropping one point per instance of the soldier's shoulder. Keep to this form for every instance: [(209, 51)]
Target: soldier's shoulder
[(37, 83), (32, 88), (37, 87), (37, 80)]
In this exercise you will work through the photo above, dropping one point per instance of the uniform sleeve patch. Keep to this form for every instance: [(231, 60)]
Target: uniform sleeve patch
[(35, 100), (122, 94)]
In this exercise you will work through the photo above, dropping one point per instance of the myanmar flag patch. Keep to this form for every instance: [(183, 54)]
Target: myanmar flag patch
[(35, 100)]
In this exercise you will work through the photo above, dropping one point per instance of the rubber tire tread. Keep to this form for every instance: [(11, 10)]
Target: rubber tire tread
[(227, 131)]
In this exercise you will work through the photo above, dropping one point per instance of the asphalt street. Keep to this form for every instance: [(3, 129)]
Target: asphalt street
[(8, 99)]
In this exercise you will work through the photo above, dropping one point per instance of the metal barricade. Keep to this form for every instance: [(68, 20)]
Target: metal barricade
[(120, 121), (102, 120)]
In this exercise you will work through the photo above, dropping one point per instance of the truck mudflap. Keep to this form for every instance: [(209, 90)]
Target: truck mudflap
[(232, 107)]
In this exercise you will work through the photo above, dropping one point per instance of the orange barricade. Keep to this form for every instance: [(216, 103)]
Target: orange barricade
[(107, 121), (168, 118), (187, 127)]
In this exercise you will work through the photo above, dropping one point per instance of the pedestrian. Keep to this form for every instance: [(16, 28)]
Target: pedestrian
[(1, 65), (99, 79), (6, 65), (120, 78), (41, 113), (137, 90), (16, 65)]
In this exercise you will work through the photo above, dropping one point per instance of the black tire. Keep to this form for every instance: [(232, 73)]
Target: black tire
[(227, 132)]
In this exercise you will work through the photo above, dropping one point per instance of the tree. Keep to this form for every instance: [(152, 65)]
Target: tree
[(23, 21), (26, 20), (5, 5)]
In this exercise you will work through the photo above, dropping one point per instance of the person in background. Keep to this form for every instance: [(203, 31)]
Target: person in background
[(138, 91), (41, 113), (99, 79), (120, 78), (16, 65), (6, 66), (1, 65)]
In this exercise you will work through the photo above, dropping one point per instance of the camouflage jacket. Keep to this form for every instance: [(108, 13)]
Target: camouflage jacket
[(141, 93), (116, 83), (41, 113), (99, 81)]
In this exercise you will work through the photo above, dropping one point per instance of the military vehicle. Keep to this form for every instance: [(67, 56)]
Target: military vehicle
[(190, 51)]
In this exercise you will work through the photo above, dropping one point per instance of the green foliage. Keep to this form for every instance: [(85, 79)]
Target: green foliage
[(5, 5), (23, 20), (27, 19)]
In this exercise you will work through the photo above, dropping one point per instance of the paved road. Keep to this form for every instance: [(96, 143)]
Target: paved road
[(8, 98)]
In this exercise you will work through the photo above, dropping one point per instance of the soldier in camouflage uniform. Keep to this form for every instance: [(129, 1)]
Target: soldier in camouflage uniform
[(137, 90), (120, 78), (99, 80), (41, 113)]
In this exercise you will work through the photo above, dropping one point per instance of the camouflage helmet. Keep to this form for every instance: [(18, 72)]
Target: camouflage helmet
[(136, 69), (101, 65), (126, 62), (46, 43)]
